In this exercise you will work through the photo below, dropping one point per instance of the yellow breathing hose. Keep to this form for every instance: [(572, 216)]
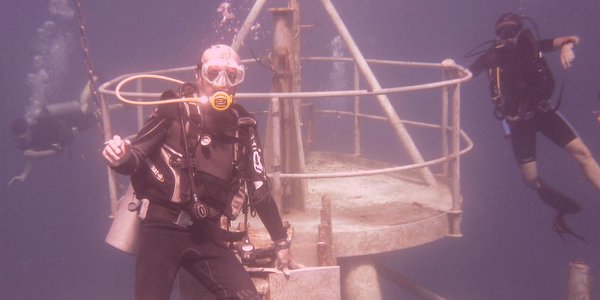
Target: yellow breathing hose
[(156, 102), (219, 100)]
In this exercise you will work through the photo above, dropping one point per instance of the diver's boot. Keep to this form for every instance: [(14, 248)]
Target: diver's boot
[(560, 226), (559, 201)]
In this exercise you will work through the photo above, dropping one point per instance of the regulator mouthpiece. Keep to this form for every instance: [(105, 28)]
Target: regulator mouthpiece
[(221, 100)]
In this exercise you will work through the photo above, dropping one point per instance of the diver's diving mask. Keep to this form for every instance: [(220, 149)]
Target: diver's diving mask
[(509, 26), (222, 72), (508, 31)]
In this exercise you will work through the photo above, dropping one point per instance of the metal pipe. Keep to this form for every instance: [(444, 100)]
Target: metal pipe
[(467, 75), (356, 113), (377, 171), (325, 256), (310, 127), (285, 62), (140, 109), (456, 212), (455, 144), (276, 154), (241, 35), (579, 282), (444, 120), (107, 134), (384, 102)]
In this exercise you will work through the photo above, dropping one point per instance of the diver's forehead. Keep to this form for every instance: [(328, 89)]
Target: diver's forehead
[(222, 62), (220, 52)]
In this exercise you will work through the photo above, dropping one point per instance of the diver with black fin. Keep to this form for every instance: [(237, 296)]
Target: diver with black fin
[(556, 199), (562, 204), (521, 86)]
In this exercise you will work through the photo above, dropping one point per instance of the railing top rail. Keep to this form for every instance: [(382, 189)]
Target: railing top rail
[(460, 71)]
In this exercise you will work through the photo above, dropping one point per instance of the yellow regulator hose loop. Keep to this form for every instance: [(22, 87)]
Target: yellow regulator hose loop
[(157, 102)]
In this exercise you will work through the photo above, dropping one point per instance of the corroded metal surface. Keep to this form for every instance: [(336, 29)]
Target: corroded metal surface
[(370, 214)]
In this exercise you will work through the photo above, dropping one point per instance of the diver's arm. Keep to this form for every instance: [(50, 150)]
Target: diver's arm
[(482, 63), (566, 45), (117, 152), (264, 204), (269, 215), (24, 174), (125, 156), (30, 155), (562, 41), (258, 183)]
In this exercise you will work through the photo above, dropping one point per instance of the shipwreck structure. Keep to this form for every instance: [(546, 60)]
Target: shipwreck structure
[(343, 202)]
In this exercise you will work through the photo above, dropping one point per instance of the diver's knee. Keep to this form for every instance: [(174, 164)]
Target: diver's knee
[(579, 150), (529, 175), (582, 155)]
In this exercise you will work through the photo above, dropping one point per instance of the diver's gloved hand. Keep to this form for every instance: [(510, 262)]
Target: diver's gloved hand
[(285, 262), (116, 150), (567, 55)]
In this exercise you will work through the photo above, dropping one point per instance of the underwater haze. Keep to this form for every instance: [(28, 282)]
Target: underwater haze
[(53, 225)]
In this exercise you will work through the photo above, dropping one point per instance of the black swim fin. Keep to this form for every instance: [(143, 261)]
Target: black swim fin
[(560, 226), (559, 201)]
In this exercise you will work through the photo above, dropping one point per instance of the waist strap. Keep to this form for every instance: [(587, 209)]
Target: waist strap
[(176, 215), (181, 217)]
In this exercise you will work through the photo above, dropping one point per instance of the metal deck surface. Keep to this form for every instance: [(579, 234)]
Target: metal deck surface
[(370, 214)]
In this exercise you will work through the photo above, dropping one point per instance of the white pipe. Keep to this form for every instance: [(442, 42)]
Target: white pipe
[(240, 37), (384, 102)]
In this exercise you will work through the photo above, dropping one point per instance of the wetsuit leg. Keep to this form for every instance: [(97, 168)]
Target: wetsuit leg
[(524, 146), (218, 269), (554, 126), (523, 141), (161, 245)]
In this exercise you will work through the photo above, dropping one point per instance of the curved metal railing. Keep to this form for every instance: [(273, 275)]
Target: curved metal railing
[(453, 76)]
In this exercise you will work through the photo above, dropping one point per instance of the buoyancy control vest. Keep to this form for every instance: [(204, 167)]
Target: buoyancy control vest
[(218, 146), (520, 78)]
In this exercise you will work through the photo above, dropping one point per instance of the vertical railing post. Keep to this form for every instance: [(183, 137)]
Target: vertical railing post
[(140, 109), (455, 214), (356, 112), (275, 153), (444, 123), (325, 254), (107, 134)]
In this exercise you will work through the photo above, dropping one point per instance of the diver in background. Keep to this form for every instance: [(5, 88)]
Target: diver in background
[(521, 85), (52, 130)]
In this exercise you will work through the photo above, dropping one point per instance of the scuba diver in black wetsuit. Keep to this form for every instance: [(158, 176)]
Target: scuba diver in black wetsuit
[(521, 85), (187, 164), (52, 129)]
